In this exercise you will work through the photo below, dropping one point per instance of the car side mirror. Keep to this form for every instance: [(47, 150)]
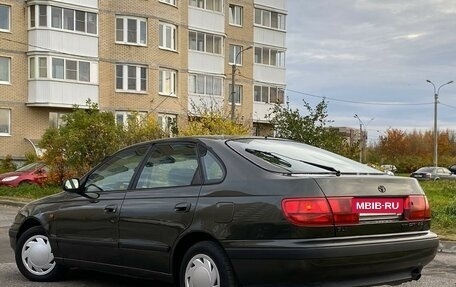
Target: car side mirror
[(71, 185)]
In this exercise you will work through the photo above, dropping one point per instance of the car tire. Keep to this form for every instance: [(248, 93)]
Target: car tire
[(205, 264), (34, 256)]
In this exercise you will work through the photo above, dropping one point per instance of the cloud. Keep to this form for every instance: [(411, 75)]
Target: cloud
[(373, 51)]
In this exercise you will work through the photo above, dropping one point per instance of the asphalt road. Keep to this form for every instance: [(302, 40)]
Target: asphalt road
[(441, 272)]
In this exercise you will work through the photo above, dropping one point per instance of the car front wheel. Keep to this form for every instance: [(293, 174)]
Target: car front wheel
[(34, 256), (206, 265)]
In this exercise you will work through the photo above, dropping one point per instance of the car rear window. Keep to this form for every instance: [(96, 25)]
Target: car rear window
[(297, 158)]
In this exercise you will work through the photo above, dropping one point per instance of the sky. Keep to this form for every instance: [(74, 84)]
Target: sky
[(372, 58)]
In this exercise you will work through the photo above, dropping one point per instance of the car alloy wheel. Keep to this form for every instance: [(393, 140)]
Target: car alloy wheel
[(34, 256), (205, 264)]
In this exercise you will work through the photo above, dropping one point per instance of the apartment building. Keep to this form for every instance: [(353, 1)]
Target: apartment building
[(172, 59)]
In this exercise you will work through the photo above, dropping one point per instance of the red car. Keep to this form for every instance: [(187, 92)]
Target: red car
[(34, 173)]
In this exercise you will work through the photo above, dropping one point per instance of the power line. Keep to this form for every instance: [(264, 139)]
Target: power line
[(449, 106)]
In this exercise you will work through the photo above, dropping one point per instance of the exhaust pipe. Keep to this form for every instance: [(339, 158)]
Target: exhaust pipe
[(416, 274)]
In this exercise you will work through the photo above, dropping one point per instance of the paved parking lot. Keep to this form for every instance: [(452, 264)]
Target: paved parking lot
[(441, 272)]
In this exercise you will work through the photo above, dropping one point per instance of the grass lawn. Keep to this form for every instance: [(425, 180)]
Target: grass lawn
[(441, 196)]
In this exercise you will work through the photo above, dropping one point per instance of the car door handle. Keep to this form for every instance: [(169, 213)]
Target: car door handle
[(112, 208), (182, 207)]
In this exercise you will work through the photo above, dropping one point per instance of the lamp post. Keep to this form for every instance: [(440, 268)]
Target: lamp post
[(362, 136), (233, 75), (436, 100)]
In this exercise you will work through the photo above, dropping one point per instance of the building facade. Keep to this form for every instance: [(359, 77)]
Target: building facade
[(169, 58)]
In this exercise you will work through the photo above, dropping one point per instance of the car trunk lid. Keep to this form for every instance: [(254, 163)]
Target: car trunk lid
[(376, 201)]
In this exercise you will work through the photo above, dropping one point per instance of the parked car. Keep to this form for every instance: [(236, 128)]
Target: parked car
[(453, 168), (215, 211), (433, 173), (34, 173), (388, 168)]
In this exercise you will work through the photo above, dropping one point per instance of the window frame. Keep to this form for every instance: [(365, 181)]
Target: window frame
[(35, 19), (9, 9), (8, 72), (169, 2), (126, 115), (203, 37), (168, 129), (162, 73), (280, 94), (162, 36), (259, 58), (203, 4), (233, 15), (9, 118), (125, 31), (239, 90), (205, 77), (233, 52), (138, 77), (259, 19)]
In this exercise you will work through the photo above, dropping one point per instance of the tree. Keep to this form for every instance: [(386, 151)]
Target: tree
[(87, 137), (213, 123), (311, 128)]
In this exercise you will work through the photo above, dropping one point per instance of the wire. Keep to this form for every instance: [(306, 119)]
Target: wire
[(449, 106)]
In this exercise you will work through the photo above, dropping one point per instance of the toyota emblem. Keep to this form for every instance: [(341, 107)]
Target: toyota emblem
[(381, 188)]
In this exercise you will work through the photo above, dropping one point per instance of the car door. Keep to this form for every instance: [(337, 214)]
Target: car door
[(161, 207), (86, 225)]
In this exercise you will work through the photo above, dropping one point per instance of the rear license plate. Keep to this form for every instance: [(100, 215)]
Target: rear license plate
[(377, 205), (418, 175)]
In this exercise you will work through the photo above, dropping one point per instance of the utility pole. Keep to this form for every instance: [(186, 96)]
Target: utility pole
[(362, 137), (233, 81), (436, 100)]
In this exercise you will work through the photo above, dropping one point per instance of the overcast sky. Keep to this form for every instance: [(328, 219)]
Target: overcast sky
[(374, 51)]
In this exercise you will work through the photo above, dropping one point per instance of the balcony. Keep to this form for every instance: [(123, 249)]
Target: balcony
[(48, 93), (269, 74), (198, 104), (275, 4), (206, 20), (261, 111)]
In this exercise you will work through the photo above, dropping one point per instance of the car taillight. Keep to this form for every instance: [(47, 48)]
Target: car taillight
[(319, 211), (416, 207)]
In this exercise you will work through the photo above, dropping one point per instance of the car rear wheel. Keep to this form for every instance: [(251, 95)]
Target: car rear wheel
[(34, 256), (205, 264)]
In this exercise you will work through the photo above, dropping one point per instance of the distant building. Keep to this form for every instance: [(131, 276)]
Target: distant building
[(169, 58), (350, 135)]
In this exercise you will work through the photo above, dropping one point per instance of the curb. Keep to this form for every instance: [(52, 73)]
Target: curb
[(447, 246), (12, 203)]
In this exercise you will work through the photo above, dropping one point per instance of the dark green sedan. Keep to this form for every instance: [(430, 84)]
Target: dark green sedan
[(215, 211)]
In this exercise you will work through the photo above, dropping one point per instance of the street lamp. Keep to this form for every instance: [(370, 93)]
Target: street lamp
[(436, 100), (233, 75), (362, 136)]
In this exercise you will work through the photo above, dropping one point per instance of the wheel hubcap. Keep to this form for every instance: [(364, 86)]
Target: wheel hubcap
[(37, 255), (201, 271)]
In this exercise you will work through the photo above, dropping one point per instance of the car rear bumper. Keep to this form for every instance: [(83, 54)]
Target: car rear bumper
[(350, 261)]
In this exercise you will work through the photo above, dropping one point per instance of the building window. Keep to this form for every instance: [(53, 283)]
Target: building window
[(266, 94), (268, 56), (131, 30), (212, 5), (5, 66), (42, 15), (237, 94), (168, 123), (123, 117), (56, 120), (5, 122), (167, 36), (42, 67), (269, 19), (5, 18), (131, 78), (236, 15), (205, 85), (170, 2), (205, 42), (58, 68), (167, 82), (65, 19), (235, 51)]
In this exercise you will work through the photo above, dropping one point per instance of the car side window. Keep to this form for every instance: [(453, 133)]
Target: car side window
[(169, 165), (117, 172), (213, 168)]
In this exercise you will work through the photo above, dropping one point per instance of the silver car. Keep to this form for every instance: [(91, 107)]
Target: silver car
[(433, 173)]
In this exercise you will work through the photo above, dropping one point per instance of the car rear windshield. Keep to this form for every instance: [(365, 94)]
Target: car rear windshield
[(297, 158)]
